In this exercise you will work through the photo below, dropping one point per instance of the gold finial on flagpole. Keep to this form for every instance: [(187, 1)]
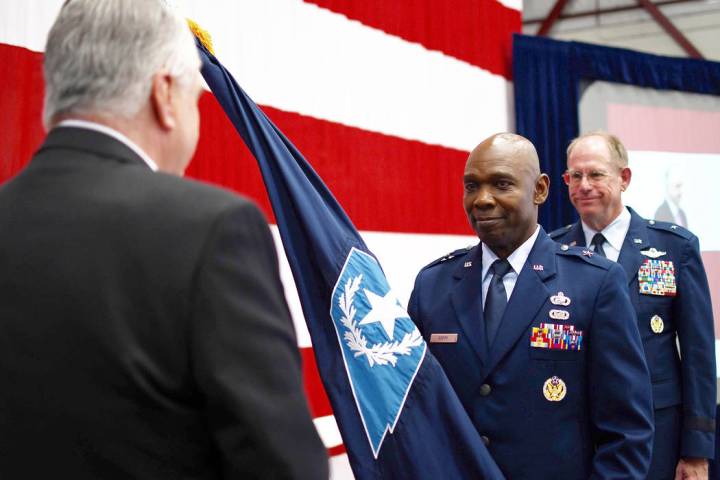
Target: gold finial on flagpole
[(201, 35)]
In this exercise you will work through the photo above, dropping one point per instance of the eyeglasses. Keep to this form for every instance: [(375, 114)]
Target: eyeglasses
[(594, 177)]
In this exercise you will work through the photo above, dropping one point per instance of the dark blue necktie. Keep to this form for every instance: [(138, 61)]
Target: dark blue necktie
[(496, 299), (598, 241)]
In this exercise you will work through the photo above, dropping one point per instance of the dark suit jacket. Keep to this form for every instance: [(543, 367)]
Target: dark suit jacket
[(686, 316), (602, 428), (143, 328), (665, 214)]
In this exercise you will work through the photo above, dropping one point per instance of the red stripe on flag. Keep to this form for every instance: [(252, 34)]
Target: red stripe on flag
[(21, 104), (476, 31), (336, 450), (384, 183), (319, 402)]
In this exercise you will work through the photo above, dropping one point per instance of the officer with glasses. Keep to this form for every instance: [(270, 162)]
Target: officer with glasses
[(670, 293)]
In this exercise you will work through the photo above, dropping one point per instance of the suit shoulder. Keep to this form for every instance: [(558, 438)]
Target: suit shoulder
[(676, 230), (181, 201), (582, 254), (451, 257), (196, 189), (556, 234), (195, 195)]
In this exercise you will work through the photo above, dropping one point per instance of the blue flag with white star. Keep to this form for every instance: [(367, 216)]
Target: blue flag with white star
[(396, 410)]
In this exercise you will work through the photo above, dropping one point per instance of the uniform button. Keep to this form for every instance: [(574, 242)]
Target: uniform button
[(485, 390), (485, 440)]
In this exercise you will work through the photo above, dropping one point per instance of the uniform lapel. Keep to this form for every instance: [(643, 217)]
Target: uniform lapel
[(529, 294), (466, 300), (576, 236), (636, 239)]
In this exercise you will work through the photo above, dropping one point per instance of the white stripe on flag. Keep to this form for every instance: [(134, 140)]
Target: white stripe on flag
[(302, 58), (340, 468), (25, 23), (514, 4), (299, 57), (328, 429)]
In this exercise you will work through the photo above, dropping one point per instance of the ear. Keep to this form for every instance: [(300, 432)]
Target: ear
[(625, 176), (542, 188), (161, 99)]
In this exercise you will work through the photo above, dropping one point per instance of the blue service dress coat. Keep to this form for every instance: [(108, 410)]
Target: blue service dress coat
[(680, 310), (579, 410)]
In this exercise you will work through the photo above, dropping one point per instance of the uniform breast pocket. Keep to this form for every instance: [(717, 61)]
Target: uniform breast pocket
[(655, 316)]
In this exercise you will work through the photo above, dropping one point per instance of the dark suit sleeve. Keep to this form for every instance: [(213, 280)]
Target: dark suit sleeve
[(245, 356), (619, 385), (693, 310), (664, 213)]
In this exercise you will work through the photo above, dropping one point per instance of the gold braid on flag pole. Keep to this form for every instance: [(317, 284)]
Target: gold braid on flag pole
[(201, 35)]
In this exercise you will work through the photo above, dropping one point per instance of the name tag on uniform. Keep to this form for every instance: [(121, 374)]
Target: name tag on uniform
[(443, 338)]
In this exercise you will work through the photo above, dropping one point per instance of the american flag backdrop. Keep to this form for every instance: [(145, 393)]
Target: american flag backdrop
[(384, 99)]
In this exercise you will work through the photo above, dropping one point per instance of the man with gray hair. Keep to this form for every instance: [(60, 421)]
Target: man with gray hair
[(669, 290), (143, 327)]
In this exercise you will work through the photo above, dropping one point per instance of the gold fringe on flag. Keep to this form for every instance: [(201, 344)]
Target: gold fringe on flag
[(201, 35)]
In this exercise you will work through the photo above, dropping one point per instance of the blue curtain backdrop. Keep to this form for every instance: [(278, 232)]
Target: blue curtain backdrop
[(547, 75)]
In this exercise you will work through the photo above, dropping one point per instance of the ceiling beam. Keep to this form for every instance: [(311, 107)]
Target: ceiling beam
[(601, 11), (670, 28), (551, 18)]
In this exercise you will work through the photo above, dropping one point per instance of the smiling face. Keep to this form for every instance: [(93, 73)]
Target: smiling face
[(597, 201), (502, 190)]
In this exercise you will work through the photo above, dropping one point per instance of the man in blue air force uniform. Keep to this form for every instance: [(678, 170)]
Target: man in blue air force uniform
[(538, 339), (669, 291)]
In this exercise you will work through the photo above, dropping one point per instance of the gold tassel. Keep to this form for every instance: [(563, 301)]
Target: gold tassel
[(202, 35)]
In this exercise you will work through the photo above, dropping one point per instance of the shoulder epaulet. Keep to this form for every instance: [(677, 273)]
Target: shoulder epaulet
[(454, 254), (670, 227), (586, 254), (560, 231)]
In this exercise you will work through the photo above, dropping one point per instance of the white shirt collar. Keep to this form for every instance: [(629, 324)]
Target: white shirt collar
[(111, 132), (516, 259), (614, 233)]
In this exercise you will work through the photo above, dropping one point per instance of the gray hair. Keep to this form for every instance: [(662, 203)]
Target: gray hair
[(101, 55), (615, 146)]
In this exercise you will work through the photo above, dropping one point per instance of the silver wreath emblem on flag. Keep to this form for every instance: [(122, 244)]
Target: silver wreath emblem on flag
[(384, 353), (367, 318)]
